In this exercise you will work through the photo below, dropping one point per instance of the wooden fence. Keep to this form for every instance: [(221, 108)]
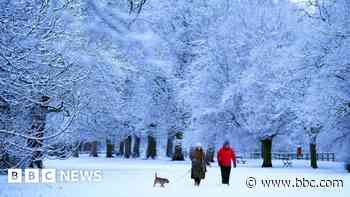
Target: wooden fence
[(322, 156)]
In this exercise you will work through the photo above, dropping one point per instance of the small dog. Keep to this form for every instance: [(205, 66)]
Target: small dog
[(159, 180)]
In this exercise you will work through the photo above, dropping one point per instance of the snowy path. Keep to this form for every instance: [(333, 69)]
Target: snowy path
[(132, 178)]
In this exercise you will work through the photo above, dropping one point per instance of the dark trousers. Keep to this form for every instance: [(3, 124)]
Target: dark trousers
[(197, 181), (225, 174)]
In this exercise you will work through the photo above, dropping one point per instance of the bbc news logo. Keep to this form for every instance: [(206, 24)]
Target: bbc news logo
[(53, 176)]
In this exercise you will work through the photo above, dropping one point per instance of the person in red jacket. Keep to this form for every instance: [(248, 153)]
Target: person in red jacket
[(226, 156)]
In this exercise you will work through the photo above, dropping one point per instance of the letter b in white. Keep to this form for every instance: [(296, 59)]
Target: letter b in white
[(14, 176), (31, 175)]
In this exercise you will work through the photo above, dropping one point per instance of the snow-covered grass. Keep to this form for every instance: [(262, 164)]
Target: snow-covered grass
[(133, 178)]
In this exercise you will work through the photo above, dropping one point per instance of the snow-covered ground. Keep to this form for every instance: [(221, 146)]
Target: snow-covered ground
[(133, 178)]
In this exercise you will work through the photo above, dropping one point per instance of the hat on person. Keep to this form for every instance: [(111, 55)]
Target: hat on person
[(198, 144), (226, 143)]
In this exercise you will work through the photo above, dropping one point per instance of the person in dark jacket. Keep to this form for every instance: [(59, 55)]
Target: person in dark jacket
[(226, 156), (209, 155), (198, 169)]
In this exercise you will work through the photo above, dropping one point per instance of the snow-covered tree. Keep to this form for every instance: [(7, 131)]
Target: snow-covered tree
[(37, 83)]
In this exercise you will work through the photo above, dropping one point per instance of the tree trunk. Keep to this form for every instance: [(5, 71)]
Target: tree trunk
[(127, 142), (169, 147), (266, 151), (347, 167), (5, 118), (109, 148), (76, 149), (94, 149), (151, 147), (136, 148), (299, 152), (178, 154), (121, 149), (313, 155), (39, 114)]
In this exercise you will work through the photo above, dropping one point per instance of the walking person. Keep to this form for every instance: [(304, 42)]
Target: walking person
[(209, 154), (226, 156), (198, 169)]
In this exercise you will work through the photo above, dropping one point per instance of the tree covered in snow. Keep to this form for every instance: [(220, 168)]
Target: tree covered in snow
[(37, 82), (151, 78)]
